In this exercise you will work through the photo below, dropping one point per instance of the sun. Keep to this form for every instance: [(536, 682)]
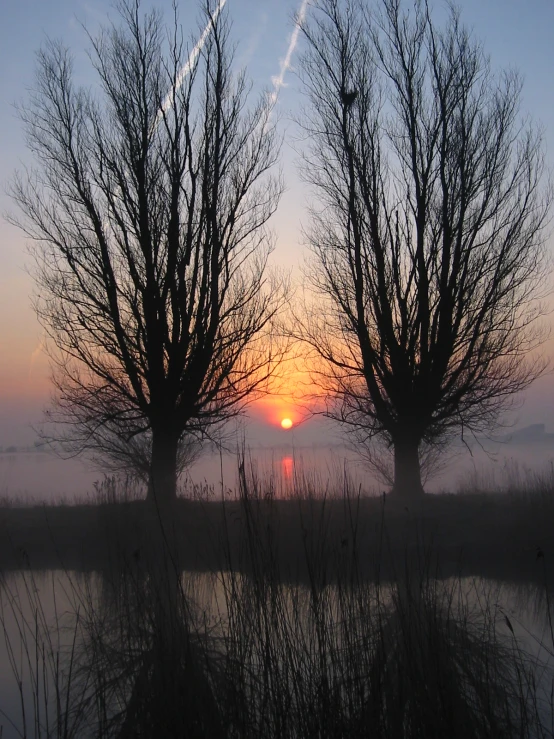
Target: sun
[(286, 424)]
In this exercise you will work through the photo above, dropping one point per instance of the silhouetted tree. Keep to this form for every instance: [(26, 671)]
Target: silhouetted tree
[(428, 229), (148, 210)]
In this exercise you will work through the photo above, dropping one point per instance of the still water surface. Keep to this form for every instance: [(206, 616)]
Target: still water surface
[(41, 477), (35, 603)]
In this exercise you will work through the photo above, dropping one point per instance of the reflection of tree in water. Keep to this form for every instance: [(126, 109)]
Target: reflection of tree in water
[(249, 652), (153, 667), (442, 665), (532, 604)]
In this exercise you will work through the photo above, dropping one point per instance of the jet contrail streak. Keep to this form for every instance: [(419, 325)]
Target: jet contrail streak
[(36, 353), (186, 68), (279, 81)]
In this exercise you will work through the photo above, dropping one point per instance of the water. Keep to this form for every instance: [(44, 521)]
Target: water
[(40, 477), (46, 603), (46, 478), (40, 608)]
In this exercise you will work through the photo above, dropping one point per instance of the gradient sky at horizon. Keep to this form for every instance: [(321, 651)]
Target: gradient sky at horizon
[(514, 34)]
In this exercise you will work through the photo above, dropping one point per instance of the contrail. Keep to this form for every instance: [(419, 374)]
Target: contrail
[(36, 353), (279, 81), (185, 69)]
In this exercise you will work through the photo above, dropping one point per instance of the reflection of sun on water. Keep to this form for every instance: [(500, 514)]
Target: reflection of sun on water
[(286, 423), (287, 468)]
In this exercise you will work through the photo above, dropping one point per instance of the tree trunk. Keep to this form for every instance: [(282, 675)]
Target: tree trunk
[(162, 486), (407, 470)]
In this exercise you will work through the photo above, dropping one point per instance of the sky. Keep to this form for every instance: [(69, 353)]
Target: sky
[(515, 34)]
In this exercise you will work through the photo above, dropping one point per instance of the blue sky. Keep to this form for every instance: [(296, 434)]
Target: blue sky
[(516, 34)]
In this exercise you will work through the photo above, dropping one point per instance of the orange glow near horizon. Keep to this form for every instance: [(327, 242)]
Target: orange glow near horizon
[(275, 410), (289, 402)]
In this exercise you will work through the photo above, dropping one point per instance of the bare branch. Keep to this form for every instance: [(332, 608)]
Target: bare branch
[(428, 234), (149, 213)]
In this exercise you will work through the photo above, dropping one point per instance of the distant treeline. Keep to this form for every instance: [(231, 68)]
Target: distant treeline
[(38, 446)]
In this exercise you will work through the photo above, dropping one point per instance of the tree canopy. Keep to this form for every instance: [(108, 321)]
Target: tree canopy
[(427, 229), (148, 210)]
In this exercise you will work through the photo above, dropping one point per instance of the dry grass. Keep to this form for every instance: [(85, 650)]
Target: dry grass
[(497, 535)]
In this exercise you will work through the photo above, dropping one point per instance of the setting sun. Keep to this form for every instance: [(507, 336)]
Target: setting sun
[(286, 423)]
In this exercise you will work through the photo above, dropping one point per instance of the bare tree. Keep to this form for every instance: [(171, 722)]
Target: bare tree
[(428, 231), (148, 210)]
